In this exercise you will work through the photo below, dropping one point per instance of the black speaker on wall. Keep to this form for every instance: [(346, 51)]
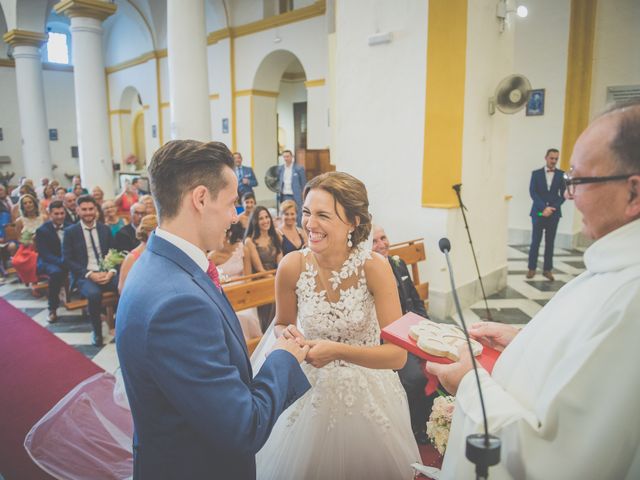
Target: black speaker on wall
[(74, 152)]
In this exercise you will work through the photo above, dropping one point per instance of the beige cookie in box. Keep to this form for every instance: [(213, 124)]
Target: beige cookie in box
[(441, 340)]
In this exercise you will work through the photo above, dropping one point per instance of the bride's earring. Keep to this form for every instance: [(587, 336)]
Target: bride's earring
[(349, 242)]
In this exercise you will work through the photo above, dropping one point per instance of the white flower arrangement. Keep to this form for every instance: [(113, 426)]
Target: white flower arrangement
[(439, 422)]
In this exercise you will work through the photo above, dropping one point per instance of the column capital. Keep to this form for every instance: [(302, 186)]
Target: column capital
[(85, 8), (17, 37)]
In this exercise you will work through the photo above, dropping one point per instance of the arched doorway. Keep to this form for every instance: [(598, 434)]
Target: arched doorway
[(133, 151)]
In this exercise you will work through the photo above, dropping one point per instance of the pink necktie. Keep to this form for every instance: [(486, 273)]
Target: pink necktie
[(212, 272)]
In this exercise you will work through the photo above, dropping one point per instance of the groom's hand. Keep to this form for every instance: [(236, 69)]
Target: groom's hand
[(293, 347), (292, 332)]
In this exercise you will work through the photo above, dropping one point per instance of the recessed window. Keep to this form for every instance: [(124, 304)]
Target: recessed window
[(57, 48)]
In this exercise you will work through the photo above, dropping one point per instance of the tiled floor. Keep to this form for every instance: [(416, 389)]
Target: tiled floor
[(516, 304)]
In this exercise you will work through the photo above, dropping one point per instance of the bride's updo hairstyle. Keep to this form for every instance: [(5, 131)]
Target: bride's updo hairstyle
[(349, 192)]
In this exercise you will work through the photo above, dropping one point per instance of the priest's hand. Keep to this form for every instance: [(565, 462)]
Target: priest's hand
[(492, 334), (450, 375)]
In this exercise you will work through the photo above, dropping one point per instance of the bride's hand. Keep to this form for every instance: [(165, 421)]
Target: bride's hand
[(321, 352), (292, 332)]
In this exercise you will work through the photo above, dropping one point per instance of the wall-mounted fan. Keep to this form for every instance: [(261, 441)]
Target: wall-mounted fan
[(271, 179), (512, 94)]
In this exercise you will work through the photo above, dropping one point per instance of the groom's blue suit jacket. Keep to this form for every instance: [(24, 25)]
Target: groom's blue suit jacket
[(197, 411)]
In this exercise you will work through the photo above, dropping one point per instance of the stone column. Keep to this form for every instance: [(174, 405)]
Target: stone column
[(92, 116), (188, 76), (33, 115)]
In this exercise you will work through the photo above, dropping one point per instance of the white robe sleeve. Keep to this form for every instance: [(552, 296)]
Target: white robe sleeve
[(584, 421)]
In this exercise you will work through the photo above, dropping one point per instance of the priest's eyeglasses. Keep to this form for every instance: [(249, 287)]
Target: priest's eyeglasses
[(570, 181)]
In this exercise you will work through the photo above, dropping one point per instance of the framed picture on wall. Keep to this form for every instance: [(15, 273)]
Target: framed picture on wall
[(535, 105)]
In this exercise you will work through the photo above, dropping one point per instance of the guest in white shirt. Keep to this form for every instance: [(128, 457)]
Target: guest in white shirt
[(291, 181), (564, 394), (85, 245)]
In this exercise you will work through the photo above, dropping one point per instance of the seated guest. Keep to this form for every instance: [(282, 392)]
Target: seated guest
[(248, 203), (230, 263), (26, 258), (98, 194), (48, 195), (25, 189), (264, 248), (71, 209), (111, 218), (411, 375), (60, 193), (4, 198), (147, 201), (147, 225), (49, 245), (84, 246), (293, 237), (127, 198), (7, 248), (78, 190), (125, 240), (77, 181)]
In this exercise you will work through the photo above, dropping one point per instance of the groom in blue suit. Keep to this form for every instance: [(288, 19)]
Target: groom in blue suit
[(547, 192), (198, 411)]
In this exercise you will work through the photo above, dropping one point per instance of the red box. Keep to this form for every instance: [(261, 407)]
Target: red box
[(398, 334)]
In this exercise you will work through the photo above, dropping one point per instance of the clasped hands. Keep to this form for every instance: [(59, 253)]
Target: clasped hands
[(491, 334), (101, 278), (316, 352)]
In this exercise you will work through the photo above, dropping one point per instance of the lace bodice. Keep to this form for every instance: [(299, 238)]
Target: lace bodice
[(352, 318)]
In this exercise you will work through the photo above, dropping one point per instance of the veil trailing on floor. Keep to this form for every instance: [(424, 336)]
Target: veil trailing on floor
[(86, 435)]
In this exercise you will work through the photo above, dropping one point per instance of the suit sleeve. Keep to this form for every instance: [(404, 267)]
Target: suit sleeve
[(75, 267), (303, 178), (44, 252), (206, 388), (560, 200), (538, 202), (253, 182), (418, 304)]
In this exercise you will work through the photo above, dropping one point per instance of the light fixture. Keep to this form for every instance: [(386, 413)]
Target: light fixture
[(503, 10)]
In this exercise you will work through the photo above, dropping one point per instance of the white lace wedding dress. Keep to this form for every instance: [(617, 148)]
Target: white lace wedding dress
[(354, 422)]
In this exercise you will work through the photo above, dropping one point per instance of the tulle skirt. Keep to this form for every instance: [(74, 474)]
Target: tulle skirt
[(353, 423)]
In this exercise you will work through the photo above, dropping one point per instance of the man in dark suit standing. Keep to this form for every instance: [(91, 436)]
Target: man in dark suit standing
[(49, 238), (246, 177), (547, 192), (84, 246), (198, 410), (411, 376), (291, 180), (70, 208), (126, 240)]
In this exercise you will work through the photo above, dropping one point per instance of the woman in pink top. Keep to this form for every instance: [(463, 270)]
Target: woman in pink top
[(147, 225), (231, 265)]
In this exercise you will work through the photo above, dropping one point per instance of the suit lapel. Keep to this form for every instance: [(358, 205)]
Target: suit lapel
[(166, 249)]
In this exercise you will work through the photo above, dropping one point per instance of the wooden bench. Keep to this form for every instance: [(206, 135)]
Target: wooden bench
[(251, 291), (412, 252), (109, 302)]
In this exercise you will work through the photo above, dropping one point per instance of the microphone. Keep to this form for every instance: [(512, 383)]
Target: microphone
[(483, 450), (457, 187)]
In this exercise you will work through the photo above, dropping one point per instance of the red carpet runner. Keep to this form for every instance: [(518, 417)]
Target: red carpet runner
[(36, 370)]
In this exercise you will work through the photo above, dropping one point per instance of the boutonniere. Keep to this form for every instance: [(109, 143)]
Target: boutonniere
[(396, 260)]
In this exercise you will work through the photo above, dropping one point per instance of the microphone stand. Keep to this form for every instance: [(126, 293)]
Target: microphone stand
[(483, 450), (457, 187)]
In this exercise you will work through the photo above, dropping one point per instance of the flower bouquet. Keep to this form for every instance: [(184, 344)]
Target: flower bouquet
[(439, 422), (27, 238), (112, 259)]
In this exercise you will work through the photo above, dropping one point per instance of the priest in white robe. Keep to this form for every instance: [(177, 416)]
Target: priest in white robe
[(564, 396)]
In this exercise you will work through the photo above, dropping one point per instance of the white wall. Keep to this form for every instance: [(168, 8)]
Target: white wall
[(541, 44), (61, 114), (60, 106), (290, 93), (126, 36), (616, 59), (219, 60)]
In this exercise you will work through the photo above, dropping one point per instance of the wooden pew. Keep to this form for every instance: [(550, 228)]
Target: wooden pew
[(412, 252), (251, 291), (109, 303)]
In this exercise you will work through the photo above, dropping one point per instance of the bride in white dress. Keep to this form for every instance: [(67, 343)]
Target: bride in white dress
[(354, 422)]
